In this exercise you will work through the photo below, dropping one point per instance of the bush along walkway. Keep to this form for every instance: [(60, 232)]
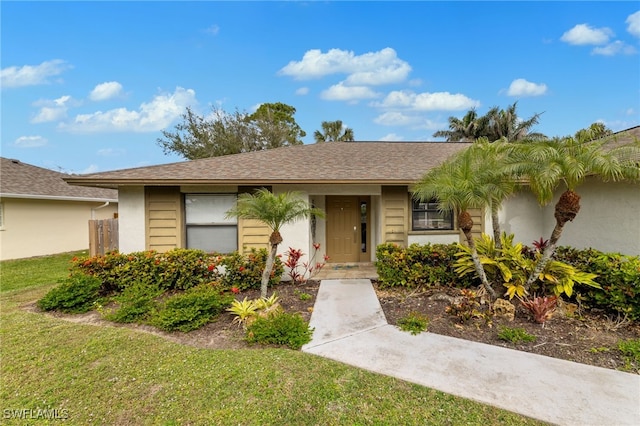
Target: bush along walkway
[(350, 327)]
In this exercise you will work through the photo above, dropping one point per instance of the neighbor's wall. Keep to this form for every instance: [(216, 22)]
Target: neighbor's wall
[(40, 227), (131, 219), (609, 218)]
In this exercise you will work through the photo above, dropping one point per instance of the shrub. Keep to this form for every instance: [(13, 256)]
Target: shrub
[(177, 269), (512, 264), (414, 322), (418, 265), (515, 335), (245, 271), (618, 275), (541, 307), (281, 329), (190, 310), (135, 303), (75, 294)]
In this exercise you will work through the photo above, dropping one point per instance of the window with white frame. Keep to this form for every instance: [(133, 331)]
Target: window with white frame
[(208, 228), (427, 217)]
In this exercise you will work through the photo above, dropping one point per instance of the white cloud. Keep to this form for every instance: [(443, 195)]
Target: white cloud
[(152, 116), (438, 101), (90, 169), (53, 110), (302, 91), (614, 48), (104, 91), (633, 22), (522, 87), (373, 68), (340, 92), (584, 34), (391, 137), (30, 141), (31, 75), (395, 118), (213, 29)]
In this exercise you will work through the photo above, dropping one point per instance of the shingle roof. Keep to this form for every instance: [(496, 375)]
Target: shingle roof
[(21, 180), (330, 162)]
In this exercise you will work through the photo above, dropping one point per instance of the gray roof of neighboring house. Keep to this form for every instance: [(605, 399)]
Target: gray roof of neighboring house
[(329, 162), (21, 180)]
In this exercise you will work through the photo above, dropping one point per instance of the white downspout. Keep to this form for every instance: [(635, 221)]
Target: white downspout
[(93, 209)]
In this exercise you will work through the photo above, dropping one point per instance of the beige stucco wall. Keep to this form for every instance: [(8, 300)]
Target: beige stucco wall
[(34, 227), (131, 219), (608, 220)]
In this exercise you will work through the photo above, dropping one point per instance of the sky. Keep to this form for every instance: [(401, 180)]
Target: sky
[(89, 86)]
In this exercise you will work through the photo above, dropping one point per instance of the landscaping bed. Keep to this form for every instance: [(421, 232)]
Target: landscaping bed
[(580, 337)]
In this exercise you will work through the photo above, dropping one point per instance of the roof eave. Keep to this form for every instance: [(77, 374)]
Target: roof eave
[(58, 198), (115, 183)]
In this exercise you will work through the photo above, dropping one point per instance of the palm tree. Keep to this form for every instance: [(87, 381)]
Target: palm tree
[(460, 184), (491, 161), (595, 131), (333, 131), (568, 162), (275, 211), (470, 128), (505, 124)]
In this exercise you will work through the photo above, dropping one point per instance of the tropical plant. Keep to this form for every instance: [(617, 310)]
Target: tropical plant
[(281, 329), (506, 125), (467, 129), (333, 131), (541, 307), (308, 268), (597, 130), (275, 211), (510, 265), (460, 183), (567, 162)]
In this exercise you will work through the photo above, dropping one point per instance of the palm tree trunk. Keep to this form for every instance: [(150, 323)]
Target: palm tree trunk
[(478, 264), (546, 254), (268, 268), (567, 208), (495, 221)]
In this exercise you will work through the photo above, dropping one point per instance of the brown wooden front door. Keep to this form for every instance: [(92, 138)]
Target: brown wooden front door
[(343, 229)]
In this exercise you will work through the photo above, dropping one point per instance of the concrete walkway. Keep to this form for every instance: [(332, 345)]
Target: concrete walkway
[(350, 327)]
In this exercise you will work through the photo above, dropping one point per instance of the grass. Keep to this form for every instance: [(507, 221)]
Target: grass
[(117, 375), (34, 271)]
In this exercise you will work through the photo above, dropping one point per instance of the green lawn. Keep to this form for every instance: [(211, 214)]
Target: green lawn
[(116, 375), (34, 271)]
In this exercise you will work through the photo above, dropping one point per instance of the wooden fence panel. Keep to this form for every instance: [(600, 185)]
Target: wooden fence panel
[(103, 236)]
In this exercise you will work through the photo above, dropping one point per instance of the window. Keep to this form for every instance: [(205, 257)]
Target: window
[(427, 217), (207, 227)]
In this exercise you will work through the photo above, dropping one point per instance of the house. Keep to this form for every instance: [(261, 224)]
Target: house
[(364, 188), (608, 218), (41, 214)]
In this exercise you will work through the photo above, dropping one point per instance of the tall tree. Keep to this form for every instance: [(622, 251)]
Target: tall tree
[(277, 125), (467, 129), (566, 163), (275, 211), (222, 133), (505, 124), (460, 183), (333, 131)]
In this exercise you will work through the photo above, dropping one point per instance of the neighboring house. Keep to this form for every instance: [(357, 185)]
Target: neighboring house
[(41, 214), (364, 188)]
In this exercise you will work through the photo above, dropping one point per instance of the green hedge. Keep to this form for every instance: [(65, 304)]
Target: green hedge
[(618, 275), (178, 269), (419, 265), (75, 295)]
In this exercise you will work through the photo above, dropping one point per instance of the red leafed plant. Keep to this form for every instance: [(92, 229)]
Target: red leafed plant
[(540, 244), (308, 268), (541, 307)]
